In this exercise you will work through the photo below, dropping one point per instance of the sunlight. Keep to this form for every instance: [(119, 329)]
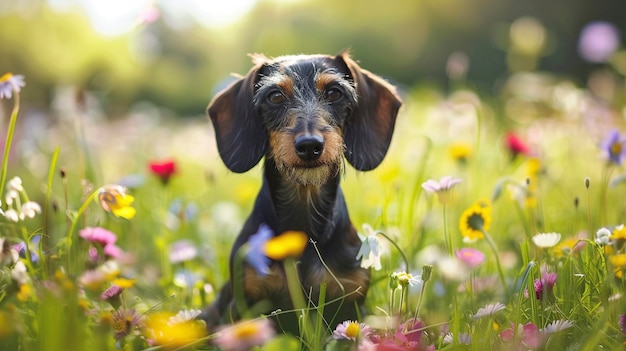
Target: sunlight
[(116, 17)]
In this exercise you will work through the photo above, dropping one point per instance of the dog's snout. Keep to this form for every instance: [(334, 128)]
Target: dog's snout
[(309, 147)]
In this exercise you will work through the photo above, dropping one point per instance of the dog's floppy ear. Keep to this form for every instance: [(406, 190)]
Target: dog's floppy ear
[(241, 137), (367, 133)]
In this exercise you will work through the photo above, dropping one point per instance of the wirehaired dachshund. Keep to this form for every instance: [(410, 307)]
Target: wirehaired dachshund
[(304, 114)]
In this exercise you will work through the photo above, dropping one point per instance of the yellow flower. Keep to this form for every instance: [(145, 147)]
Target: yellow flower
[(618, 261), (619, 233), (533, 167), (26, 291), (567, 246), (475, 220), (173, 335), (460, 152), (115, 199), (288, 244), (124, 283)]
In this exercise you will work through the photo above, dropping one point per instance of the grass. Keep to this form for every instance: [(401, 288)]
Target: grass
[(175, 248)]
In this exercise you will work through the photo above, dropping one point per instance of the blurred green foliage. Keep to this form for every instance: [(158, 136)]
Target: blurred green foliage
[(178, 67)]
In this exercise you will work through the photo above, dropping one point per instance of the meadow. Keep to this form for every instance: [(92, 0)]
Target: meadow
[(496, 222)]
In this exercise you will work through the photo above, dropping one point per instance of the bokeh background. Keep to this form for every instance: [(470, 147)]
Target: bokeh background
[(173, 54)]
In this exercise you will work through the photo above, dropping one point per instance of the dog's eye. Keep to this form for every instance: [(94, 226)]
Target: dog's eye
[(333, 94), (276, 97)]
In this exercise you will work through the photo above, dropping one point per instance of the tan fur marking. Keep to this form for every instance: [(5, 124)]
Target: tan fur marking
[(325, 79), (314, 173), (286, 84), (259, 287), (354, 284)]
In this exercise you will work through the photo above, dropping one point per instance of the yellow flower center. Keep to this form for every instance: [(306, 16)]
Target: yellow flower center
[(246, 331), (6, 77), (616, 148), (352, 331)]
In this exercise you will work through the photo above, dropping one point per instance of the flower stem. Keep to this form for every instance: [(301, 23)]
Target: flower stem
[(8, 142), (446, 234), (492, 244), (404, 258), (77, 216)]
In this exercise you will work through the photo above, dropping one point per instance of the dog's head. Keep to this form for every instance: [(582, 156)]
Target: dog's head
[(305, 113)]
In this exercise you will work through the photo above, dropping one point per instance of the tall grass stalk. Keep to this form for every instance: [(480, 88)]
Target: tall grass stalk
[(9, 141)]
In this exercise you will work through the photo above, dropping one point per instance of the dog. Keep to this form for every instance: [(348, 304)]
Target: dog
[(304, 115)]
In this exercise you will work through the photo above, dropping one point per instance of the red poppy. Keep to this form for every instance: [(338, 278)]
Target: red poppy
[(163, 169), (515, 145)]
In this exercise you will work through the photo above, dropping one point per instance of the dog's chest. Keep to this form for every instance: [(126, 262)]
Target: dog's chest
[(351, 284)]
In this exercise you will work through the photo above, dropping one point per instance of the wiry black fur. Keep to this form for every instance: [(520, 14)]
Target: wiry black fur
[(329, 97)]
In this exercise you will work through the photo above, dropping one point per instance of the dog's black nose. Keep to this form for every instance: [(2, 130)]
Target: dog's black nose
[(309, 147)]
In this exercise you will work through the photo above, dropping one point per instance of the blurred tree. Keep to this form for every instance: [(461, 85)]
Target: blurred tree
[(178, 67)]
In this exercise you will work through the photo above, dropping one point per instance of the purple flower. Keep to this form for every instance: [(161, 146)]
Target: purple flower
[(183, 250), (527, 335), (622, 323), (256, 253), (471, 257), (545, 285), (10, 84), (441, 188), (615, 147), (598, 41), (98, 235), (125, 321)]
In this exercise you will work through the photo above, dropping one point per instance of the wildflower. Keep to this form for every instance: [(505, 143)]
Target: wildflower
[(614, 147), (602, 236), (471, 257), (167, 330), (460, 152), (618, 261), (568, 246), (98, 235), (255, 255), (475, 220), (516, 146), (30, 209), (12, 215), (544, 286), (244, 335), (288, 244), (185, 278), (622, 323), (184, 316), (163, 169), (33, 248), (19, 273), (115, 199), (111, 293), (183, 250), (526, 335), (95, 278), (546, 240), (489, 310), (369, 252), (598, 41), (125, 321), (404, 279), (557, 326), (351, 330), (25, 292), (9, 84), (442, 187), (619, 233)]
